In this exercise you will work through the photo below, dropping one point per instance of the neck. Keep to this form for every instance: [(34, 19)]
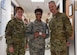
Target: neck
[(19, 18), (55, 12), (38, 20)]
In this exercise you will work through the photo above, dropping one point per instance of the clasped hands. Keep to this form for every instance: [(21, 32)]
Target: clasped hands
[(36, 34)]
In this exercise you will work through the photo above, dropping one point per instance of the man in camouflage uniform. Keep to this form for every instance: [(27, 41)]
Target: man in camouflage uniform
[(37, 32), (61, 30), (15, 34)]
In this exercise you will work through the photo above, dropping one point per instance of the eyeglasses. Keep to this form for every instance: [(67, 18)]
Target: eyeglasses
[(38, 14)]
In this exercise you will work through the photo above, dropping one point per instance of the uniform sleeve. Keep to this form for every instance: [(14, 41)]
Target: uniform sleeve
[(47, 31), (8, 33), (29, 32), (67, 26)]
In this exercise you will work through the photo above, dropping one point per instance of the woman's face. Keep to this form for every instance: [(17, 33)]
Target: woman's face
[(19, 13), (38, 15)]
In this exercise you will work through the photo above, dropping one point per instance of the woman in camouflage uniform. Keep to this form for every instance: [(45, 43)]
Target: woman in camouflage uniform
[(15, 34), (37, 32)]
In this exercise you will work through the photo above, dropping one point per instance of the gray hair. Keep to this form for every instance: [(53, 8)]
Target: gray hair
[(52, 2)]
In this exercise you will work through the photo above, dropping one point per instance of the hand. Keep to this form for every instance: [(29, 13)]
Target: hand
[(72, 38), (11, 49), (44, 35), (26, 21), (26, 45), (68, 44), (36, 34)]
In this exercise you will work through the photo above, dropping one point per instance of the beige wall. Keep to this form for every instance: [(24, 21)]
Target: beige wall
[(76, 5), (68, 3)]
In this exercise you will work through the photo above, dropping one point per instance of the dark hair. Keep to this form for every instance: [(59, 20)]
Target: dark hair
[(38, 10), (17, 8), (52, 2)]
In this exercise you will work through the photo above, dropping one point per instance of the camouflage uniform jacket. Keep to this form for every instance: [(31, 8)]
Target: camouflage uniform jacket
[(61, 30), (33, 27), (15, 32)]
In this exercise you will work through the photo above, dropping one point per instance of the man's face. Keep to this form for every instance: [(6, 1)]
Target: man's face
[(38, 15), (19, 13), (52, 7)]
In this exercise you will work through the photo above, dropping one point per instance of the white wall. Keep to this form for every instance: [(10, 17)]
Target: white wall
[(60, 2), (5, 16), (0, 16)]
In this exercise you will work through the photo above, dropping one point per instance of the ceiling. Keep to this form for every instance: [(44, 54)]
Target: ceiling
[(29, 7)]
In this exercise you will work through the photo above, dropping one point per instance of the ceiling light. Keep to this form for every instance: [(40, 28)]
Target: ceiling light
[(37, 0)]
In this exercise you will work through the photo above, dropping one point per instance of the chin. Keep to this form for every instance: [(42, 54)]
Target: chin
[(52, 12), (20, 16)]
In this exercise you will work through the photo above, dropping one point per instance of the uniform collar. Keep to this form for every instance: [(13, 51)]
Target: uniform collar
[(37, 21), (18, 20), (57, 14)]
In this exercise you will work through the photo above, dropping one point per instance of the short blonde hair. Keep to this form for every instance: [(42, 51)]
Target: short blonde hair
[(17, 8)]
